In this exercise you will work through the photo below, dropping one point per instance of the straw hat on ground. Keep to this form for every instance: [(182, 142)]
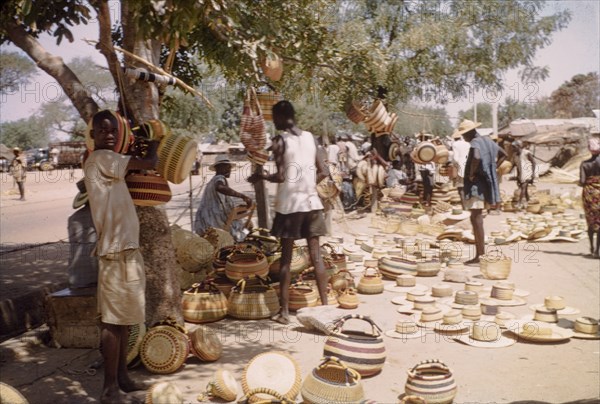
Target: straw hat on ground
[(485, 334), (405, 328), (557, 303), (537, 331)]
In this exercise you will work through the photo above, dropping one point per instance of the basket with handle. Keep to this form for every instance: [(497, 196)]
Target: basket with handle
[(338, 259), (361, 351), (341, 280), (249, 397), (332, 382), (204, 303), (348, 299), (266, 100), (431, 380), (495, 267), (371, 282), (253, 300), (246, 262), (302, 294), (355, 112), (252, 123)]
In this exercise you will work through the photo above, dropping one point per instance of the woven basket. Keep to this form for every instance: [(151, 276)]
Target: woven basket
[(266, 102), (224, 285), (332, 382), (218, 238), (341, 280), (246, 262), (205, 344), (370, 283), (337, 259), (495, 267), (432, 229), (301, 295), (391, 267), (259, 157), (272, 66), (176, 156), (348, 299), (275, 370), (204, 303), (253, 301), (164, 349), (433, 381), (428, 268), (354, 112), (161, 393), (148, 189), (195, 254), (276, 398), (10, 395), (409, 227), (222, 385), (300, 260), (361, 351)]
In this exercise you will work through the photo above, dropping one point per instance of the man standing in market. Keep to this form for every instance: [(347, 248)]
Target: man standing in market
[(300, 166), (18, 169), (481, 180)]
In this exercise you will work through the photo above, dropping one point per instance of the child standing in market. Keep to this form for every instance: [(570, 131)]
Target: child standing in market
[(121, 276)]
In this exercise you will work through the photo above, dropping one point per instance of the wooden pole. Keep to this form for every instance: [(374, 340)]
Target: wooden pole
[(262, 200)]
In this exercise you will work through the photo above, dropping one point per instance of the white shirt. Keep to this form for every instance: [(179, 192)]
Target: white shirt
[(353, 157), (298, 191), (460, 152), (333, 150)]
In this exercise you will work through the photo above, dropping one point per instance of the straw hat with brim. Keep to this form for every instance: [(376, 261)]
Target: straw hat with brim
[(221, 160), (566, 311), (452, 322), (454, 235), (458, 214), (464, 127), (502, 318), (584, 328), (516, 291), (410, 309), (486, 335), (403, 289), (537, 331), (513, 300), (405, 329)]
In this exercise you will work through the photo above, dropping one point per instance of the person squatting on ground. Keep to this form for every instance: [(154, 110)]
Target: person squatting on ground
[(300, 166), (121, 276), (218, 200), (481, 181), (18, 169), (525, 163), (589, 179)]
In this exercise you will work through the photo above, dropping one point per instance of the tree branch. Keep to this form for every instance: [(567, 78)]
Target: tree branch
[(56, 68)]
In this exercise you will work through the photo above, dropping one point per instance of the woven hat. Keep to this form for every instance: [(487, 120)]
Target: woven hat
[(405, 283), (458, 214), (503, 294), (538, 233), (537, 331), (486, 334), (452, 323), (557, 303), (220, 159), (425, 152), (585, 328), (9, 394), (464, 127), (405, 328)]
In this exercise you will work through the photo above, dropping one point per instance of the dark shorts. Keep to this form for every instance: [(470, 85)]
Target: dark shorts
[(299, 225)]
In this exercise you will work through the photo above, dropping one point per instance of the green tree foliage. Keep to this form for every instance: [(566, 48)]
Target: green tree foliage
[(576, 97), (484, 114), (512, 109), (15, 70), (24, 133), (415, 119)]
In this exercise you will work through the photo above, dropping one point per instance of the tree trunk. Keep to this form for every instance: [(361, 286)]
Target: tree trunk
[(163, 295), (56, 68)]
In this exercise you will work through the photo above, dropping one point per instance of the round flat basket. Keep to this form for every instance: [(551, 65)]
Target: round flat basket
[(148, 189), (223, 385), (425, 151), (205, 344), (164, 393), (164, 349), (176, 156), (10, 395), (274, 370)]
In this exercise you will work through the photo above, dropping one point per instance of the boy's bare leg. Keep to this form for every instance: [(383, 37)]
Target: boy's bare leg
[(125, 382)]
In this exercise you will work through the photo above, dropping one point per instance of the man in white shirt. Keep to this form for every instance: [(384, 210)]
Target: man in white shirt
[(460, 152), (333, 150)]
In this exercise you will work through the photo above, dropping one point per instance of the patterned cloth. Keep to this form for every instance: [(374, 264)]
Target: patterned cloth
[(591, 202), (485, 186), (214, 208)]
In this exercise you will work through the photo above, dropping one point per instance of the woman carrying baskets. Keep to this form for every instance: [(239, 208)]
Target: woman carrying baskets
[(298, 209), (590, 181)]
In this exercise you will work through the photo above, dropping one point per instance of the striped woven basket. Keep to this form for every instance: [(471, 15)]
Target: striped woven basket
[(301, 295), (266, 101), (176, 156), (433, 381), (370, 283), (354, 112), (495, 267), (204, 303), (164, 348), (253, 300), (391, 267), (246, 262), (148, 189), (361, 351), (332, 382)]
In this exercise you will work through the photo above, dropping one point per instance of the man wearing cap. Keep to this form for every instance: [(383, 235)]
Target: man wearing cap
[(460, 152), (18, 169), (218, 201), (481, 180)]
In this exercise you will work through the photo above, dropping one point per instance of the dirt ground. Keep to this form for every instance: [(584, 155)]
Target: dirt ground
[(550, 372)]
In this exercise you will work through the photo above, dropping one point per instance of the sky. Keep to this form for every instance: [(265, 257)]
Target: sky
[(573, 50)]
